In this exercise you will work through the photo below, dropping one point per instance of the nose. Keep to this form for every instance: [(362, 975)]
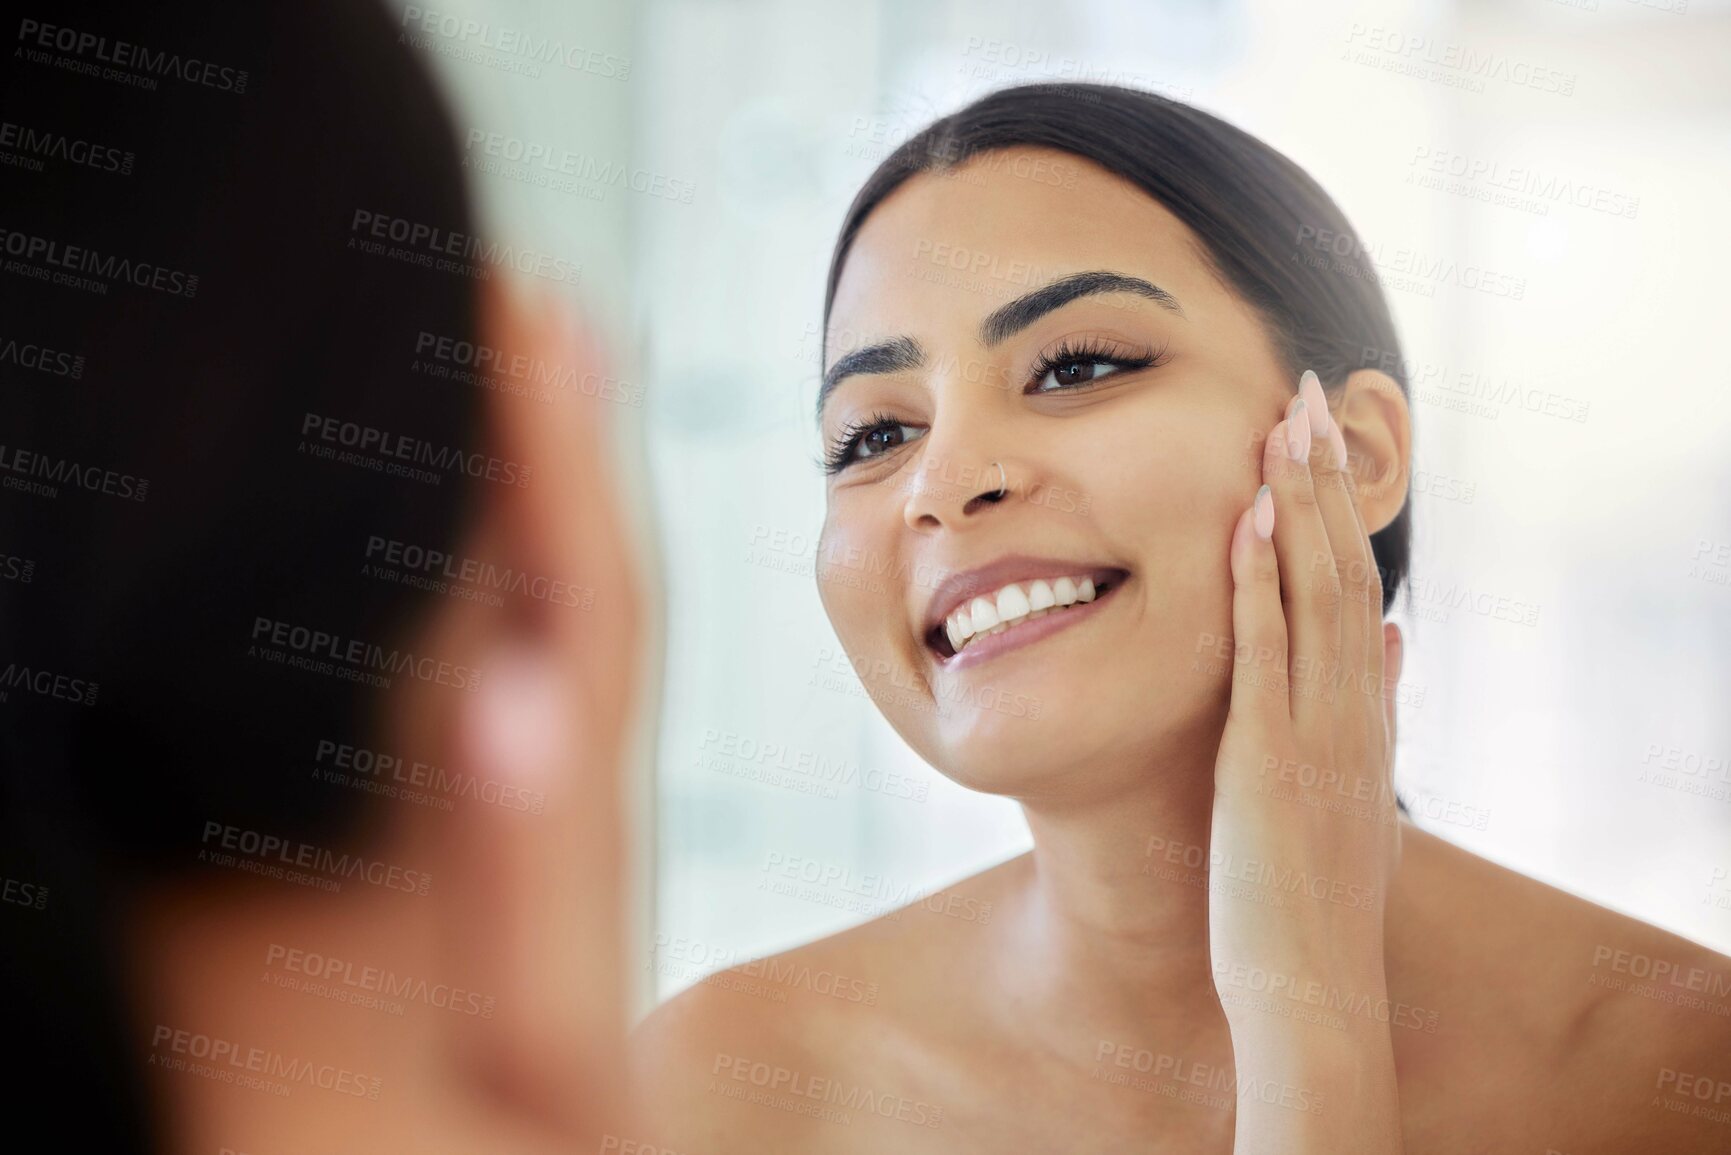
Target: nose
[(947, 491)]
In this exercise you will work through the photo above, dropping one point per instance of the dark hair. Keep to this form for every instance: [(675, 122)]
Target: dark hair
[(202, 293), (1273, 235)]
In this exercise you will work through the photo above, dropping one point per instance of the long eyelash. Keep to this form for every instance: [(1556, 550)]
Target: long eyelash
[(839, 453), (1091, 349), (841, 449)]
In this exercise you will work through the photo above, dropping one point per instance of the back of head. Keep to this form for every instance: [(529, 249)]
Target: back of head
[(186, 295)]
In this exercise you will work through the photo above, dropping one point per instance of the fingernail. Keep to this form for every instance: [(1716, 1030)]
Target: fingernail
[(1316, 402), (1264, 515), (1338, 445), (1298, 432)]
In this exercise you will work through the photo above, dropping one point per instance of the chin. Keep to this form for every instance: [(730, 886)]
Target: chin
[(1032, 742)]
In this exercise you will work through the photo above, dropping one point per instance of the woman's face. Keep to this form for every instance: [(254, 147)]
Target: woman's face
[(1127, 410)]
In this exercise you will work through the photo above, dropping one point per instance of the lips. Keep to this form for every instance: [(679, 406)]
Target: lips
[(1009, 595)]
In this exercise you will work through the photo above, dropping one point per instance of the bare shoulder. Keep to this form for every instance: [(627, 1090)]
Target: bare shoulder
[(750, 1058), (683, 1056), (1576, 1027)]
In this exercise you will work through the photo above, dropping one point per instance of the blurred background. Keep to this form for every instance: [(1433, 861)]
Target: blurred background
[(1542, 183)]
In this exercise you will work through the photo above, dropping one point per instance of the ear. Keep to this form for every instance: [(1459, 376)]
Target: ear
[(1374, 418)]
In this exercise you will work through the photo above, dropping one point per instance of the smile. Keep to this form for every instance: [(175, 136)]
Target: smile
[(1018, 613)]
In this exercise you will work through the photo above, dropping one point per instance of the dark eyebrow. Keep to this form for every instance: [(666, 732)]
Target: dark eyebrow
[(902, 353), (891, 356), (1025, 310)]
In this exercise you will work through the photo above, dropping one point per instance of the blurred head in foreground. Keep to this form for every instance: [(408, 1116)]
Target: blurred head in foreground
[(317, 621)]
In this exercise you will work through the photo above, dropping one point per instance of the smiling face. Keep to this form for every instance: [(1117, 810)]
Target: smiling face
[(1033, 310)]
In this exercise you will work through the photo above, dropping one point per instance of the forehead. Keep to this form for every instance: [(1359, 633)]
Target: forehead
[(946, 248)]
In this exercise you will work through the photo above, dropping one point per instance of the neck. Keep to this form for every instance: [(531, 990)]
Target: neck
[(1112, 929)]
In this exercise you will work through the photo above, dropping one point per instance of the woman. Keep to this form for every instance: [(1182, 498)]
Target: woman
[(1098, 358), (307, 830)]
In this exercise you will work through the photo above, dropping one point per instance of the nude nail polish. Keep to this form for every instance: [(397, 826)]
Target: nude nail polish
[(1298, 432), (1315, 402), (1264, 515), (1338, 445)]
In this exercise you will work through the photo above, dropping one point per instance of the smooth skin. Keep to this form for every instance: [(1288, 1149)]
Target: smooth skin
[(1144, 979)]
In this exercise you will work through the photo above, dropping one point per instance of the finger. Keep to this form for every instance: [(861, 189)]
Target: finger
[(1358, 719), (1373, 607), (1354, 564), (1259, 690), (1308, 586), (1394, 655)]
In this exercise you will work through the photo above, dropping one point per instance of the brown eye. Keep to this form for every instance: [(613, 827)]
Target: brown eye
[(1079, 367), (870, 439), (1073, 372), (873, 437), (882, 438)]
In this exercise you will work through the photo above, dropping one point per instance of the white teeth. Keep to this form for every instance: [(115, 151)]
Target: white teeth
[(983, 613), (1013, 604)]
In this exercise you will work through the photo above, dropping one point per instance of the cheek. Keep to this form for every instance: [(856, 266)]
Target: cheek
[(866, 587), (1169, 490), (1174, 496), (857, 583)]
